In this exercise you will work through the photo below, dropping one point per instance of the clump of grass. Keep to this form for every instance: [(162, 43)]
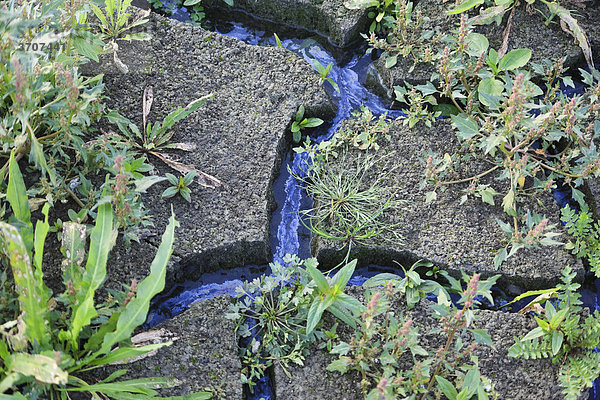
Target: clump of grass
[(352, 199)]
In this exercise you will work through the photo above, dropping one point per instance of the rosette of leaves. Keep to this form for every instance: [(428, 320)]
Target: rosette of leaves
[(324, 73), (567, 335), (179, 186), (301, 123), (271, 312), (155, 138)]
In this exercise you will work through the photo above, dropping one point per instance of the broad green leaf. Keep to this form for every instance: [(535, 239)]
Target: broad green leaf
[(188, 3), (317, 308), (343, 276), (508, 203), (381, 279), (319, 278), (31, 290), (558, 318), (340, 365), (101, 242), (489, 87), (311, 122), (492, 60), (478, 44), (534, 333), (467, 127), (490, 14), (481, 336), (391, 61), (350, 303), (86, 48), (42, 368), (319, 67), (73, 249), (465, 6), (446, 109), (141, 185), (135, 311), (343, 314), (514, 59), (446, 387), (471, 382), (41, 231), (300, 114), (557, 341)]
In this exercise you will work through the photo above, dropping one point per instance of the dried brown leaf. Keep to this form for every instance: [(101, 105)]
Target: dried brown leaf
[(488, 15), (202, 178), (534, 305), (147, 103), (181, 146), (505, 34), (570, 25)]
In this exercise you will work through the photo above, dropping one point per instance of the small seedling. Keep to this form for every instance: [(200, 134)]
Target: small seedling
[(324, 74), (278, 41), (302, 122), (179, 185)]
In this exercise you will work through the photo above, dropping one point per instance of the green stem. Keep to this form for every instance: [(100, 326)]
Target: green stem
[(471, 178)]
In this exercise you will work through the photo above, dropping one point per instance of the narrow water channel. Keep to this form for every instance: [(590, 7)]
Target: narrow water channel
[(288, 234)]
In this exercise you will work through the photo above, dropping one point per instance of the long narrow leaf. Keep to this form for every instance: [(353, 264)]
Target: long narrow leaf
[(318, 277), (16, 194), (343, 276), (95, 271), (30, 289), (125, 353), (136, 310)]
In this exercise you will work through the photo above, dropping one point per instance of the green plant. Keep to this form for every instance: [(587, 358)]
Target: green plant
[(179, 185), (385, 348), (411, 286), (330, 296), (586, 234), (568, 335), (46, 106), (115, 23), (381, 15), (155, 138), (530, 138), (496, 13), (351, 200), (279, 305), (301, 123), (324, 73), (56, 338), (407, 38), (280, 314)]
